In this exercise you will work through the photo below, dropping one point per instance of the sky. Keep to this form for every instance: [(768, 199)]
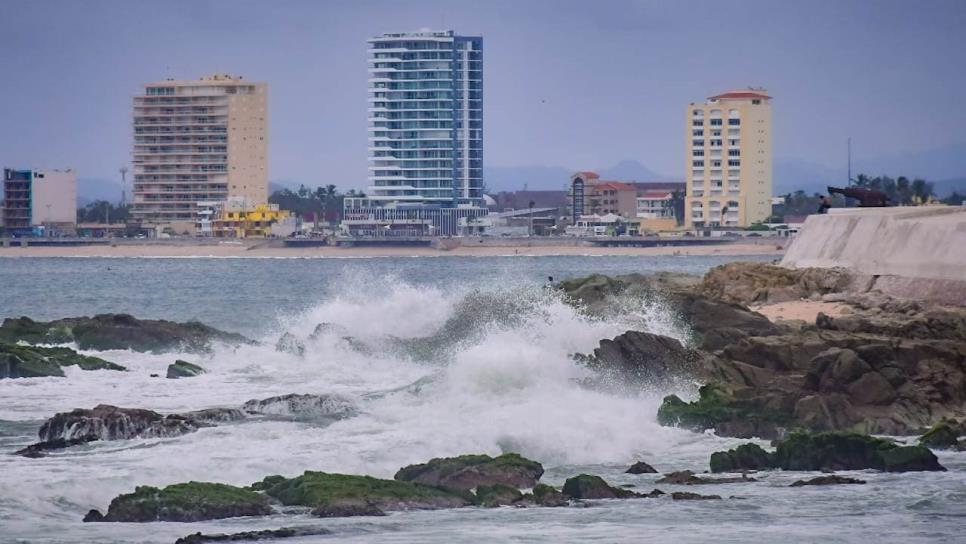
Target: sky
[(575, 84)]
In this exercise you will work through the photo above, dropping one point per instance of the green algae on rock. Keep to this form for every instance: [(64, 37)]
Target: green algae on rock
[(186, 502)]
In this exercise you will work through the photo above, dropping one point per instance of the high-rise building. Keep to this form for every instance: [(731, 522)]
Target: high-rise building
[(729, 160), (425, 134), (198, 141), (39, 198)]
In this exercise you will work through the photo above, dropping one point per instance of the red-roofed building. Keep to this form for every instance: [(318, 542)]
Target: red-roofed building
[(593, 196), (728, 160)]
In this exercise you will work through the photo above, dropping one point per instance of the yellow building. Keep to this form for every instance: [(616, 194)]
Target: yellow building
[(257, 221), (729, 160)]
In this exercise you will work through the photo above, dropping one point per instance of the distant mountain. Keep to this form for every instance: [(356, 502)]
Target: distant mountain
[(790, 175), (91, 189), (534, 178), (630, 170), (547, 178)]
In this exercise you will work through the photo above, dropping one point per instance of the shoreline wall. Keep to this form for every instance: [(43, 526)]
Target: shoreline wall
[(898, 247)]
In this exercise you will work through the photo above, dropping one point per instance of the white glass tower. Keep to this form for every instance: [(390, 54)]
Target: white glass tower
[(426, 120)]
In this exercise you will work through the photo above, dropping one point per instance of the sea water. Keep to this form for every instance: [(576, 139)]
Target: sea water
[(499, 381)]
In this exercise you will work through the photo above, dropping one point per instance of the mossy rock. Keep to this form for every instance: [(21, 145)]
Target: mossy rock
[(910, 459), (744, 457), (192, 501), (24, 329), (184, 369), (588, 486), (718, 409), (842, 450), (497, 495), (320, 488), (470, 471), (544, 495), (20, 361), (942, 435)]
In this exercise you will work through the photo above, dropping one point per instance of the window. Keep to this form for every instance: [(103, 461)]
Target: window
[(734, 163), (715, 164), (733, 122), (697, 123), (717, 122), (756, 101), (715, 142), (698, 164), (734, 152), (698, 152), (697, 133), (697, 143)]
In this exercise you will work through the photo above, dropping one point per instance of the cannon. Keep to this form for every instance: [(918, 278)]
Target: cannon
[(868, 198)]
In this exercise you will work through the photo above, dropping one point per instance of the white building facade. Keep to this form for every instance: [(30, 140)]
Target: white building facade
[(425, 133)]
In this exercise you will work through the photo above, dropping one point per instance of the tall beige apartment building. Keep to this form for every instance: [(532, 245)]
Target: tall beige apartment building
[(203, 140), (729, 160)]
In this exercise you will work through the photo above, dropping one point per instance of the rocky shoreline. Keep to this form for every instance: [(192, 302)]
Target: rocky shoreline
[(818, 389)]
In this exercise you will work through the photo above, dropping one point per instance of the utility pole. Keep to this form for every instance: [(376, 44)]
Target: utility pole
[(530, 228)]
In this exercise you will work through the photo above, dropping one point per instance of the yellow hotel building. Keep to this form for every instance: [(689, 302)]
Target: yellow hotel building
[(729, 160)]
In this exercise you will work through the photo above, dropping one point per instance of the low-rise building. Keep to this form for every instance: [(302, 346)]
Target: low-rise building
[(589, 195), (239, 218), (655, 210), (39, 202)]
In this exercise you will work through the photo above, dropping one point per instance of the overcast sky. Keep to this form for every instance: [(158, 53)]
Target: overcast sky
[(577, 84)]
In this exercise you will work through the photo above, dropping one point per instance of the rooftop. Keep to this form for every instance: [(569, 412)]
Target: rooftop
[(743, 94)]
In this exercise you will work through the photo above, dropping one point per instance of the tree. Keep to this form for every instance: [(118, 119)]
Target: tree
[(921, 190), (102, 211), (954, 199)]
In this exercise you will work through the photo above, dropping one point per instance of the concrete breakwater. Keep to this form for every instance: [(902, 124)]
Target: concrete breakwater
[(907, 252)]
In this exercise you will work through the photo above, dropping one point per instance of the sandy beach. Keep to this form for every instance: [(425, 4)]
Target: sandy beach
[(256, 249)]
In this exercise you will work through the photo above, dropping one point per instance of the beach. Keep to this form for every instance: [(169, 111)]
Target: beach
[(275, 249)]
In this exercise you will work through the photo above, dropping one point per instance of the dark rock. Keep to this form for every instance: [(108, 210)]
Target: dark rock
[(288, 343), (214, 416), (641, 467), (718, 409), (315, 489), (686, 496), (497, 495), (93, 516), (106, 422), (184, 369), (192, 501), (296, 406), (248, 536), (40, 449), (832, 479), (19, 361), (686, 477), (850, 451), (118, 331), (744, 457), (586, 486), (468, 471), (544, 495), (345, 508), (943, 435), (644, 359)]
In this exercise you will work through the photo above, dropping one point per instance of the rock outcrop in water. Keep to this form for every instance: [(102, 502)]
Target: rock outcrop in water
[(106, 422), (945, 435), (183, 369), (588, 486), (252, 536), (295, 406), (20, 361), (888, 367), (192, 501), (118, 331), (325, 492), (831, 479), (828, 451), (470, 471)]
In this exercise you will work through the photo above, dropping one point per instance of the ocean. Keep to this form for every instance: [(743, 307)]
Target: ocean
[(505, 381)]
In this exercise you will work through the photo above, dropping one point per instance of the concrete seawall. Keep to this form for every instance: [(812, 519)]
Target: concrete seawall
[(898, 247)]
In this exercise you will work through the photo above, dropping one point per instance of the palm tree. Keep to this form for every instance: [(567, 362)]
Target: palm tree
[(903, 190)]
